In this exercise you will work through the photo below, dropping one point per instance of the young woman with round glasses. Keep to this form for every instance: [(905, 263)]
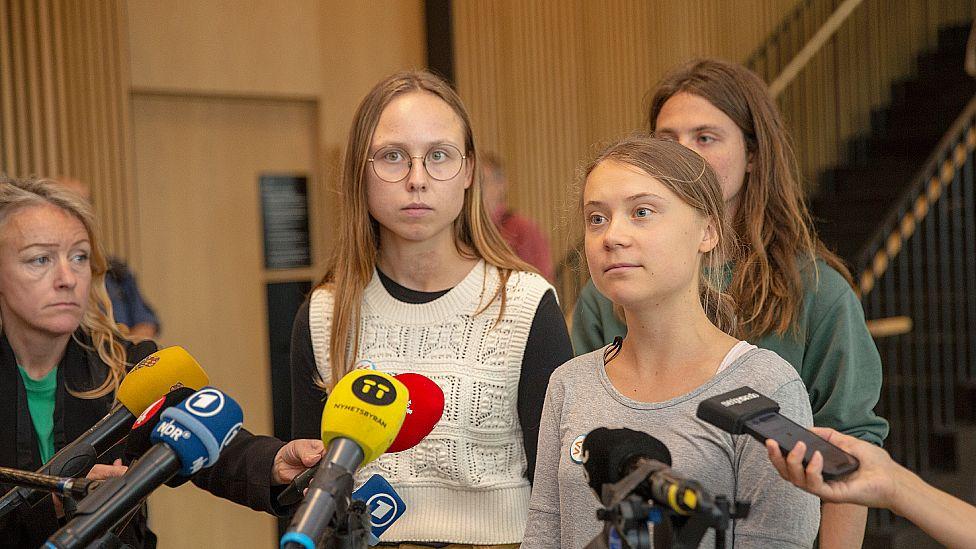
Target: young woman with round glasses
[(420, 280)]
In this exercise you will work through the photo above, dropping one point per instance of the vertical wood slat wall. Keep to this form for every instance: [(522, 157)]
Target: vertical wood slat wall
[(545, 80), (64, 103)]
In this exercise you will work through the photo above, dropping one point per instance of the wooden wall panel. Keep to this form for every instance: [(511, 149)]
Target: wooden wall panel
[(545, 80), (197, 165), (63, 80), (265, 47)]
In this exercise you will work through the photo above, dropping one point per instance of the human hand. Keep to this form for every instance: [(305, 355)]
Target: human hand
[(295, 457), (98, 472), (104, 472), (873, 484)]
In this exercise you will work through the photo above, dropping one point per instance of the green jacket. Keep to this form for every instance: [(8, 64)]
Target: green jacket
[(832, 351)]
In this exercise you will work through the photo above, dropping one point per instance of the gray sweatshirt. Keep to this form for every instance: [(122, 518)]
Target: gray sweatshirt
[(580, 398)]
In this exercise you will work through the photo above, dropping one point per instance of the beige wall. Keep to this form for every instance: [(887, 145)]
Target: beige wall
[(330, 51), (63, 85), (545, 80), (197, 166)]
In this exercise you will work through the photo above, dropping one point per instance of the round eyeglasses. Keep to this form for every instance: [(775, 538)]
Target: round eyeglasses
[(393, 164)]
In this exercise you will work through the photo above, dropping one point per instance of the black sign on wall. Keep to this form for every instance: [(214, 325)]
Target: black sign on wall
[(284, 213)]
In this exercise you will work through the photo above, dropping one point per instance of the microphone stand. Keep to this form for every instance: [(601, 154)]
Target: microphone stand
[(63, 486), (626, 517), (69, 462), (352, 533)]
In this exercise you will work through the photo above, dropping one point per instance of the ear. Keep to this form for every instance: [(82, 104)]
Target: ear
[(749, 156), (470, 172), (709, 238)]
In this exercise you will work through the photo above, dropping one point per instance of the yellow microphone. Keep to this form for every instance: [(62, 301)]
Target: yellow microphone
[(158, 374), (362, 417), (367, 407), (152, 378)]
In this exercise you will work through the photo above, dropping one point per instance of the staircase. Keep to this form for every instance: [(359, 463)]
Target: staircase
[(928, 393), (853, 199)]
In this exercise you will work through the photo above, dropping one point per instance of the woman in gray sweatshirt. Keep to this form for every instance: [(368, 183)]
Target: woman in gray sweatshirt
[(656, 242)]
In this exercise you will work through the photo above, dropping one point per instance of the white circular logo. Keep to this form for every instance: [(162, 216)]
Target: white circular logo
[(576, 450), (205, 402), (382, 509)]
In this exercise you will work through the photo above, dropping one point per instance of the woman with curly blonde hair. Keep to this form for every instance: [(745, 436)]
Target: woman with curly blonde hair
[(61, 354)]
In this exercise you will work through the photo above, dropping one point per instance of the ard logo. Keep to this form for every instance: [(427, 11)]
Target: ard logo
[(147, 362), (576, 450)]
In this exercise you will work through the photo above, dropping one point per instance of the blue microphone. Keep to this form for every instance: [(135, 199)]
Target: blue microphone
[(189, 437), (383, 503)]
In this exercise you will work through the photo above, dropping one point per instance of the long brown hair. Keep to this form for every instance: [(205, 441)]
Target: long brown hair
[(357, 234), (98, 321), (772, 221), (690, 177)]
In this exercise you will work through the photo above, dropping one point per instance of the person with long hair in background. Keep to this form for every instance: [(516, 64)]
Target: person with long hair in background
[(420, 280), (793, 295), (656, 238)]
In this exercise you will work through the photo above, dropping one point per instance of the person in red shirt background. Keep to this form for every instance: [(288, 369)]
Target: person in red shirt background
[(521, 233)]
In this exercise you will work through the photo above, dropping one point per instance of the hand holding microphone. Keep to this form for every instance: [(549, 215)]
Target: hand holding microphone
[(874, 484), (149, 380), (189, 438), (879, 482), (294, 458), (362, 416), (425, 407)]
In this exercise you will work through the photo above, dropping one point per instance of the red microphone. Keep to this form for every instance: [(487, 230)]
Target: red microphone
[(424, 410)]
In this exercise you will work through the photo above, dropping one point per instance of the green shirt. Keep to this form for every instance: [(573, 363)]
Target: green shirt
[(832, 350), (40, 403)]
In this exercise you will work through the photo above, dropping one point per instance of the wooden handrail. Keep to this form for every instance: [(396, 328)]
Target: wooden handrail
[(891, 326), (830, 26), (939, 171)]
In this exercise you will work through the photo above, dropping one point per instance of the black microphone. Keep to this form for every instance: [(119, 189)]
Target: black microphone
[(609, 455), (138, 442), (189, 438), (146, 382), (745, 411)]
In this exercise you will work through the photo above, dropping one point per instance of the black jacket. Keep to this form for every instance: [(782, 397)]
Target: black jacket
[(242, 474), (80, 369)]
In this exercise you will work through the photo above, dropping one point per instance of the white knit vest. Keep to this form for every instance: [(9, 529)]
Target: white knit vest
[(465, 482)]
